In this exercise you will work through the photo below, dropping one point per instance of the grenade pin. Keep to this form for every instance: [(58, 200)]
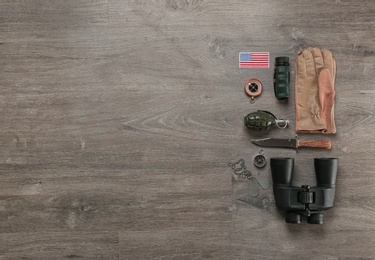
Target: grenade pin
[(281, 123)]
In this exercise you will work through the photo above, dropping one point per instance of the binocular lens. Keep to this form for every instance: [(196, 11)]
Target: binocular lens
[(326, 171), (282, 171), (282, 61)]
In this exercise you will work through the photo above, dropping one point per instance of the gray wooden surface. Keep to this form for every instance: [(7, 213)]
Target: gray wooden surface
[(119, 120)]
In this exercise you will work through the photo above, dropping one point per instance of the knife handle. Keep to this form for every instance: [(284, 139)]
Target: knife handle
[(319, 144)]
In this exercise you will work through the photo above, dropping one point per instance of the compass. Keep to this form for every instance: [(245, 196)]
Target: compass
[(253, 88), (260, 161)]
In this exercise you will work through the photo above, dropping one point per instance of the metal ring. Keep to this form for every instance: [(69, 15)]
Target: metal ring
[(285, 122)]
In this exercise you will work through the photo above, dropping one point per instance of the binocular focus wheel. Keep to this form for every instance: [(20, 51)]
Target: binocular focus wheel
[(293, 218)]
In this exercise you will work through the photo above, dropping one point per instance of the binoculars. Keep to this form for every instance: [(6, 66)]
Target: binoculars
[(305, 200)]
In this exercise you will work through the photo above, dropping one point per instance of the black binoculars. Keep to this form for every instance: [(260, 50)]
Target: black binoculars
[(305, 200)]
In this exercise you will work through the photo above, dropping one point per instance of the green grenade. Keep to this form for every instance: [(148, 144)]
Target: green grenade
[(263, 120)]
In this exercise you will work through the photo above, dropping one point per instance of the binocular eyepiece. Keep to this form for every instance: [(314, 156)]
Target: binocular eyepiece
[(305, 200), (282, 61)]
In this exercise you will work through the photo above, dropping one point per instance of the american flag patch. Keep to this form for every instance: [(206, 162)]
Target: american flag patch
[(257, 60)]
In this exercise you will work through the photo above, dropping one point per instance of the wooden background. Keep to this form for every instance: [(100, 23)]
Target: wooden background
[(119, 120)]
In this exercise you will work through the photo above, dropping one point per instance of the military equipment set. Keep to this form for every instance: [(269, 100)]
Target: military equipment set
[(314, 102)]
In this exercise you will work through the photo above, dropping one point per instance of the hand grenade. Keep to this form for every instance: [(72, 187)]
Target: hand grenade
[(263, 120)]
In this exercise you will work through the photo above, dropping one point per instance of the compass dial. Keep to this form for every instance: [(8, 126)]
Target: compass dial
[(260, 161)]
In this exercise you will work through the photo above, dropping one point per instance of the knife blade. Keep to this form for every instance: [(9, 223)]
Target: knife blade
[(293, 143)]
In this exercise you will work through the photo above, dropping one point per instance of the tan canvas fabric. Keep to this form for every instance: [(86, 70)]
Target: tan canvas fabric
[(314, 91)]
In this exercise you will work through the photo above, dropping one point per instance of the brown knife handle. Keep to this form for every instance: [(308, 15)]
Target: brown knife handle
[(320, 144)]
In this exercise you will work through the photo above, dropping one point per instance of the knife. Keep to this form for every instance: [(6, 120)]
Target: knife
[(293, 143)]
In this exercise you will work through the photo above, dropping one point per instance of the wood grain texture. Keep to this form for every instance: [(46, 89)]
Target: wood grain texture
[(119, 119), (317, 144)]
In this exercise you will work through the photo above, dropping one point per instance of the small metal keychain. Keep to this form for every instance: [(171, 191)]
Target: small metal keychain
[(253, 88), (239, 168)]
